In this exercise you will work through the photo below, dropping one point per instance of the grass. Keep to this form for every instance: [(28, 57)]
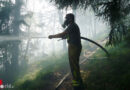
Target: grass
[(42, 74), (112, 73), (102, 74)]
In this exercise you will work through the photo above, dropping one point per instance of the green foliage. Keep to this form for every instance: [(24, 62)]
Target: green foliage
[(10, 17), (5, 12), (10, 21), (42, 74), (104, 74), (113, 11), (112, 73)]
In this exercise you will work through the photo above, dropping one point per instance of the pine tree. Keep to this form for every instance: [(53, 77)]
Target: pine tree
[(113, 11)]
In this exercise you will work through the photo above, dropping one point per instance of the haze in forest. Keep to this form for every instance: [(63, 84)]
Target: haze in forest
[(26, 25), (28, 56), (46, 19)]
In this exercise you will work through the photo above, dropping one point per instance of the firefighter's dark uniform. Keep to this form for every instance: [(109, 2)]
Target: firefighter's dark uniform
[(74, 50)]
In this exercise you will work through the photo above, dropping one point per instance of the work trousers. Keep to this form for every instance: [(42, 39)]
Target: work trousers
[(74, 55)]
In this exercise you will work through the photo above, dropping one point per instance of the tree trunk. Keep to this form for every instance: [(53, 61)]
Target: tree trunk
[(61, 22)]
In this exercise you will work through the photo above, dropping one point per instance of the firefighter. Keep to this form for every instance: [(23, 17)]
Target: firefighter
[(72, 34)]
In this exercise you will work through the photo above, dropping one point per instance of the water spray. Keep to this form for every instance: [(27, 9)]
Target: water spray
[(13, 38)]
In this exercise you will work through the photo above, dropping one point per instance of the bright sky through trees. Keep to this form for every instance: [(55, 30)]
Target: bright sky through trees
[(45, 21)]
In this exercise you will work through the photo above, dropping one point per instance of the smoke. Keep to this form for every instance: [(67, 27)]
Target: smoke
[(45, 21)]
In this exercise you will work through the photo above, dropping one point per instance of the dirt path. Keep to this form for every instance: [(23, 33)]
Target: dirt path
[(66, 81)]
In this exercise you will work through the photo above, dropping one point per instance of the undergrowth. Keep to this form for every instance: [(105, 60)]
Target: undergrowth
[(112, 73), (42, 74)]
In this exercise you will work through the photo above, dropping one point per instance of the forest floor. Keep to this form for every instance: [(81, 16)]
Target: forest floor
[(52, 78), (66, 82), (98, 72)]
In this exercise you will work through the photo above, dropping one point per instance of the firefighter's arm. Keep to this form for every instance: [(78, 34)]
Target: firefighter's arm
[(60, 35)]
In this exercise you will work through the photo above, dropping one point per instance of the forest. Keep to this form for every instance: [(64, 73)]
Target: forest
[(29, 60)]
